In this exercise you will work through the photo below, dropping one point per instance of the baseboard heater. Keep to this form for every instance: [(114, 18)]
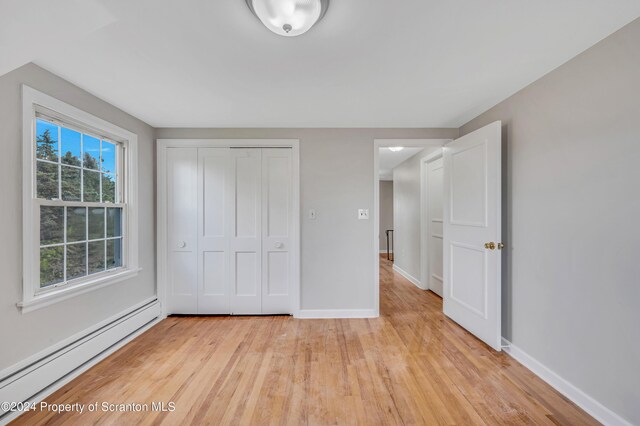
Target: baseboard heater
[(44, 374)]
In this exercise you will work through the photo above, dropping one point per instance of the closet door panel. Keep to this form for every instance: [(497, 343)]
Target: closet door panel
[(277, 275), (213, 162), (277, 206), (246, 277), (247, 190), (277, 171), (182, 206), (214, 197), (214, 283), (246, 225)]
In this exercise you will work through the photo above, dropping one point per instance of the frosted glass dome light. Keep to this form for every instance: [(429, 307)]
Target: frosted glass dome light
[(289, 18)]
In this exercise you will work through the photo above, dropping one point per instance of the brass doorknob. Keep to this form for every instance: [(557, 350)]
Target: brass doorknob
[(490, 246), (500, 246)]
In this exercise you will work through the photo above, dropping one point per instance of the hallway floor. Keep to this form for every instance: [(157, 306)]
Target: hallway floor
[(412, 365)]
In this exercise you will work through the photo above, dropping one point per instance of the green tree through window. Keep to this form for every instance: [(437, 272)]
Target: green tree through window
[(47, 146)]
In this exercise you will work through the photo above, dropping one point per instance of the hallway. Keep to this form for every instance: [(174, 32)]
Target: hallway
[(410, 366)]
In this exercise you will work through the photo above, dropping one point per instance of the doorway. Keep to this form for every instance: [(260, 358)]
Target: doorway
[(389, 155), (459, 228), (228, 227), (393, 161)]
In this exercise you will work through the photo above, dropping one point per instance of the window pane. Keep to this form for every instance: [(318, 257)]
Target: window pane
[(71, 183), (76, 224), (91, 147), (76, 260), (51, 225), (114, 223), (91, 186), (108, 188), (46, 140), (51, 265), (96, 224), (47, 181), (108, 157), (71, 147), (96, 257), (114, 253)]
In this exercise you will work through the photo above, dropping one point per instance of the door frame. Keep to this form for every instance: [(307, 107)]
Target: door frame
[(425, 228), (377, 144), (161, 204)]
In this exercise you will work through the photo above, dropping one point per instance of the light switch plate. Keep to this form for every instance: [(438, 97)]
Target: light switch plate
[(312, 214), (363, 214)]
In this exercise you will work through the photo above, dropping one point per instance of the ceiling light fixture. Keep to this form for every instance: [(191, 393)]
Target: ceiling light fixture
[(396, 148), (289, 18)]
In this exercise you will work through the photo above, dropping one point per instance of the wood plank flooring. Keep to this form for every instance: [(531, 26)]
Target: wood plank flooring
[(410, 366)]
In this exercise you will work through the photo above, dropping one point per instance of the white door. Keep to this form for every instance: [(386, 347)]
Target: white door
[(214, 195), (230, 220), (472, 233), (435, 177), (277, 208), (245, 242), (182, 210)]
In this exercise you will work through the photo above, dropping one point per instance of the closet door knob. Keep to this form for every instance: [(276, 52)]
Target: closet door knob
[(279, 244), (182, 244)]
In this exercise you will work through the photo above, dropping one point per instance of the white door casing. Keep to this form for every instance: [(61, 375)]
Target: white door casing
[(472, 218)]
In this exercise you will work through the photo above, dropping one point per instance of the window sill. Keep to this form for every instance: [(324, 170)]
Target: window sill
[(54, 296)]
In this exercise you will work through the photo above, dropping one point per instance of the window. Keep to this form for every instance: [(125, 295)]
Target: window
[(81, 198), (77, 182)]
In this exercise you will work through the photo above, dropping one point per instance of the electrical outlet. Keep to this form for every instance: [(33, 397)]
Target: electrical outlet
[(312, 214), (363, 214)]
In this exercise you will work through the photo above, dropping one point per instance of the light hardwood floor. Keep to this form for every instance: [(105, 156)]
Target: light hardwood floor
[(410, 366)]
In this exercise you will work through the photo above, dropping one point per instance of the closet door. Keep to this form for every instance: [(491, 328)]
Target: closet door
[(214, 195), (245, 236), (277, 207), (182, 206)]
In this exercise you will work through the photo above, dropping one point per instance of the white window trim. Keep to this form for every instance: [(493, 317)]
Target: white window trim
[(32, 297)]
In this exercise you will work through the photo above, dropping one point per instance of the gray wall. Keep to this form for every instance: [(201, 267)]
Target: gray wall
[(572, 284), (23, 335), (337, 178), (406, 219), (386, 210)]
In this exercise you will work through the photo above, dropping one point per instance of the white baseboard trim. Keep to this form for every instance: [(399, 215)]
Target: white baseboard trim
[(34, 382), (408, 276), (335, 313), (576, 395)]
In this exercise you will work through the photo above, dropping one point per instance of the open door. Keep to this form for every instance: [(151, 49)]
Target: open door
[(472, 233)]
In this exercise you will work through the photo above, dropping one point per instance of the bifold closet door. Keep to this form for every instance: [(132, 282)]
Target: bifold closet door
[(182, 210), (277, 208), (261, 210), (229, 230), (245, 239), (214, 196)]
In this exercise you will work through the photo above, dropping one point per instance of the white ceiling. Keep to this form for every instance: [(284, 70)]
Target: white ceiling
[(31, 28), (389, 160), (369, 63)]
